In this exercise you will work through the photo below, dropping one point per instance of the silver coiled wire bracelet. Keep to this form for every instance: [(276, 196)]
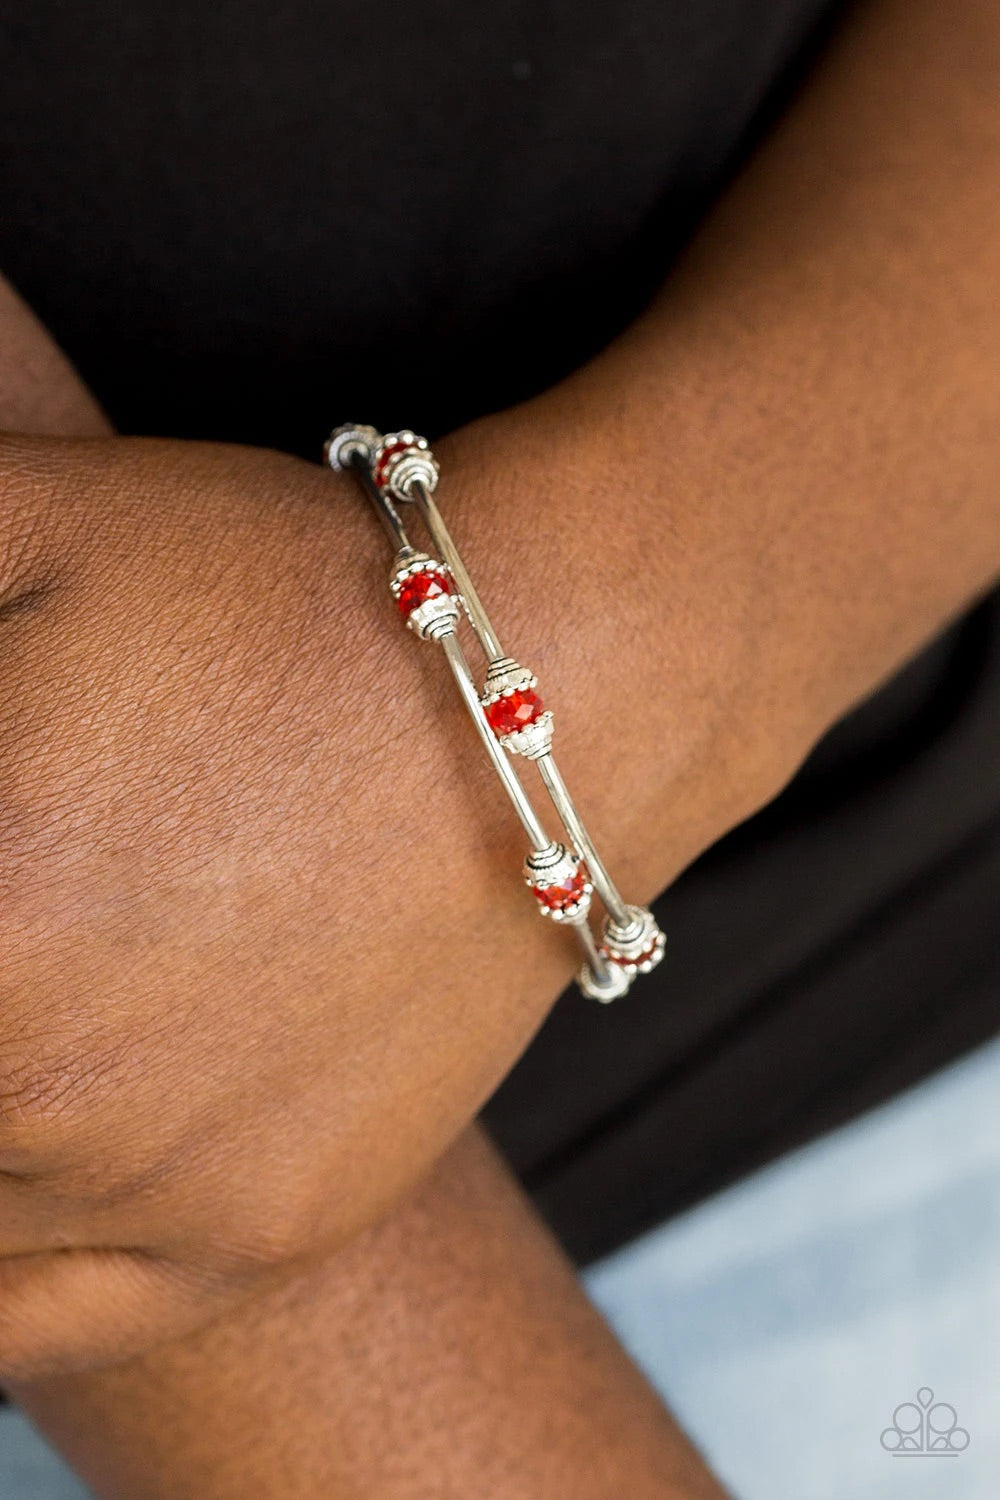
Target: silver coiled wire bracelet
[(431, 593)]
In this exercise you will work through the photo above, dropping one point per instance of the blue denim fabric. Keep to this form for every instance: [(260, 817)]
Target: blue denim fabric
[(29, 1470), (788, 1318)]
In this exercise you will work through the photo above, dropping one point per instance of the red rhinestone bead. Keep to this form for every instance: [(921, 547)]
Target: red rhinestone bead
[(378, 474), (418, 587), (616, 958), (565, 893), (514, 711)]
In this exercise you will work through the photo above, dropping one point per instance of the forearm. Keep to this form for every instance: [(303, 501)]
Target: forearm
[(840, 315), (809, 407), (787, 526), (788, 470), (448, 1353), (770, 490)]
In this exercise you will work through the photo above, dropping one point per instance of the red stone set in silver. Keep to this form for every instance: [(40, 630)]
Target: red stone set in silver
[(432, 594)]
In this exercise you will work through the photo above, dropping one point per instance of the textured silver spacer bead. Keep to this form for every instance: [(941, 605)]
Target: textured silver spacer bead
[(504, 675), (534, 740), (434, 618), (348, 442), (542, 862), (636, 948), (620, 982), (416, 562), (410, 469), (552, 866), (413, 464)]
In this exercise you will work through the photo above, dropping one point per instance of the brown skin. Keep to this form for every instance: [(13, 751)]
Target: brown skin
[(447, 1353), (810, 418), (212, 714), (447, 1350)]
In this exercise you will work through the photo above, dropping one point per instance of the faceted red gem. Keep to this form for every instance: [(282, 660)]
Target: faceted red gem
[(419, 587), (378, 473), (514, 711), (565, 893)]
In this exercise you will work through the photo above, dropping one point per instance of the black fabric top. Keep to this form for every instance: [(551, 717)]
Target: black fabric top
[(243, 220), (247, 222)]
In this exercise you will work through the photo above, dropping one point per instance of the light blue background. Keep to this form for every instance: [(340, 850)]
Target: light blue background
[(786, 1319)]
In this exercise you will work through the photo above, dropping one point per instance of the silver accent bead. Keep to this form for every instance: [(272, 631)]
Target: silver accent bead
[(408, 470), (350, 442), (637, 947), (534, 740), (413, 562), (434, 618), (414, 464), (504, 675), (619, 983), (551, 866)]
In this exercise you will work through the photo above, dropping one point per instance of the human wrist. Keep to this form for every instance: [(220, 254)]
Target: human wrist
[(264, 787), (647, 624), (292, 799)]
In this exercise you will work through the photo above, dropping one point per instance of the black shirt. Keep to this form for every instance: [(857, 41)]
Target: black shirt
[(249, 222)]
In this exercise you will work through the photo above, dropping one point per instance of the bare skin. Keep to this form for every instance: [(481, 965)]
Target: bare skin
[(812, 404), (446, 1353), (446, 1350)]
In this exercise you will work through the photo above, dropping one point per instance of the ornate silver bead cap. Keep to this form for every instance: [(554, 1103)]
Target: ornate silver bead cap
[(534, 740), (350, 442), (619, 983), (554, 866), (504, 676), (638, 947), (412, 463)]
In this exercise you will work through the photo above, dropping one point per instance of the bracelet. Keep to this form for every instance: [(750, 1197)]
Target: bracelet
[(431, 594)]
